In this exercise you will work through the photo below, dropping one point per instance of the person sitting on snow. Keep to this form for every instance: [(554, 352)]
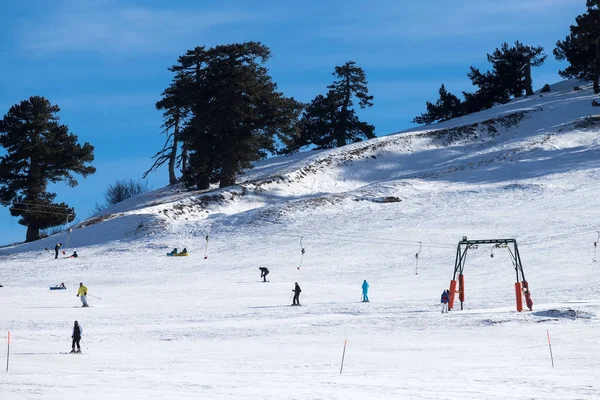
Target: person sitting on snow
[(174, 251), (74, 255), (184, 251), (62, 285)]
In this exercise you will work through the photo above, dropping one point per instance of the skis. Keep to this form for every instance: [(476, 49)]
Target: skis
[(71, 352)]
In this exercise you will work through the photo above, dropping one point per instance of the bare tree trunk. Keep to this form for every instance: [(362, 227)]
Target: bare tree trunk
[(528, 80), (173, 155), (597, 72), (227, 174), (33, 233)]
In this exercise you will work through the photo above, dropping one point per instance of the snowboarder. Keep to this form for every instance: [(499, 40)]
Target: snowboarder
[(263, 273), (444, 300), (296, 291), (76, 336), (365, 288), (82, 294), (56, 249)]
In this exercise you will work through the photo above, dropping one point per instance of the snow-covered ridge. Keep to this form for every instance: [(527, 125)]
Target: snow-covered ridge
[(382, 167)]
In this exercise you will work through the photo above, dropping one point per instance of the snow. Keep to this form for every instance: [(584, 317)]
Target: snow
[(187, 327)]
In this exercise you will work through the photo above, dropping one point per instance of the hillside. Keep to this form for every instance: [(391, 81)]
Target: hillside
[(191, 327)]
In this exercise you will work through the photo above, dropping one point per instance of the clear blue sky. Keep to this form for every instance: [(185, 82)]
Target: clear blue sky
[(104, 62)]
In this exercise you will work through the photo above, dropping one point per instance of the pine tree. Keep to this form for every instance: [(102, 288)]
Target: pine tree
[(448, 106), (512, 66), (329, 120), (351, 83), (39, 151), (236, 111), (581, 48)]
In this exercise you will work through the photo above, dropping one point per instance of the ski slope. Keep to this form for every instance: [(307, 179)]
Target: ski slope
[(188, 327)]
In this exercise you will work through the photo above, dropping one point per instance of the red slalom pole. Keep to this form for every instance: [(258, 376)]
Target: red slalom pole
[(8, 351), (550, 346), (343, 355)]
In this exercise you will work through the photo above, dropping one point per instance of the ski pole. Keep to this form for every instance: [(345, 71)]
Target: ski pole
[(94, 297), (8, 351), (291, 294), (84, 344)]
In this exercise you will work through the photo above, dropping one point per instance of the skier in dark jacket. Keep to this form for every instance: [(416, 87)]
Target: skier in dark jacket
[(56, 248), (444, 300), (76, 336), (263, 273), (296, 291)]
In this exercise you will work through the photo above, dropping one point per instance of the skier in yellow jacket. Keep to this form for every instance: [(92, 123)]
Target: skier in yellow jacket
[(82, 294)]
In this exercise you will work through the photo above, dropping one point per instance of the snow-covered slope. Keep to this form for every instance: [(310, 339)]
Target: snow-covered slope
[(191, 327)]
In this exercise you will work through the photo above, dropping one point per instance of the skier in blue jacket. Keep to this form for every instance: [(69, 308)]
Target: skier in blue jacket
[(365, 288), (444, 300)]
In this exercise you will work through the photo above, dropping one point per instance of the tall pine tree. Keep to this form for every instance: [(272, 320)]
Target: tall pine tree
[(581, 48), (351, 83), (236, 112), (330, 120), (39, 151)]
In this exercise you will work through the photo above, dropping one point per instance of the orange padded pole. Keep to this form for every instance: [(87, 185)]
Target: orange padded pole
[(527, 294), (452, 291), (519, 295), (461, 288)]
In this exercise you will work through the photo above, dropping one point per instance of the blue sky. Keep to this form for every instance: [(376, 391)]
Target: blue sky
[(104, 62)]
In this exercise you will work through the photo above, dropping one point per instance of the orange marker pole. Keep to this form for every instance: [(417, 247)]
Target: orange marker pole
[(550, 346), (8, 351), (343, 355)]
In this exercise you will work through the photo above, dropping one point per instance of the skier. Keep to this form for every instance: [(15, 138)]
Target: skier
[(82, 294), (445, 299), (296, 291), (263, 273), (365, 288), (76, 336), (56, 248)]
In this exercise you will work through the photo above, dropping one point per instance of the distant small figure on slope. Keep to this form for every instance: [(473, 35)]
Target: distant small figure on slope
[(82, 294), (296, 291), (76, 336), (365, 291), (56, 249), (184, 251), (74, 255), (263, 273), (444, 300)]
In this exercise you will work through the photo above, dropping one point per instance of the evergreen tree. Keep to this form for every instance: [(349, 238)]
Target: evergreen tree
[(581, 48), (330, 120), (448, 106), (351, 83), (512, 66), (39, 151), (236, 111)]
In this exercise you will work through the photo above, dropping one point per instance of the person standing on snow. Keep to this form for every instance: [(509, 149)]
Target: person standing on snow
[(365, 288), (82, 294), (444, 300), (296, 291), (76, 336), (263, 273), (56, 248)]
